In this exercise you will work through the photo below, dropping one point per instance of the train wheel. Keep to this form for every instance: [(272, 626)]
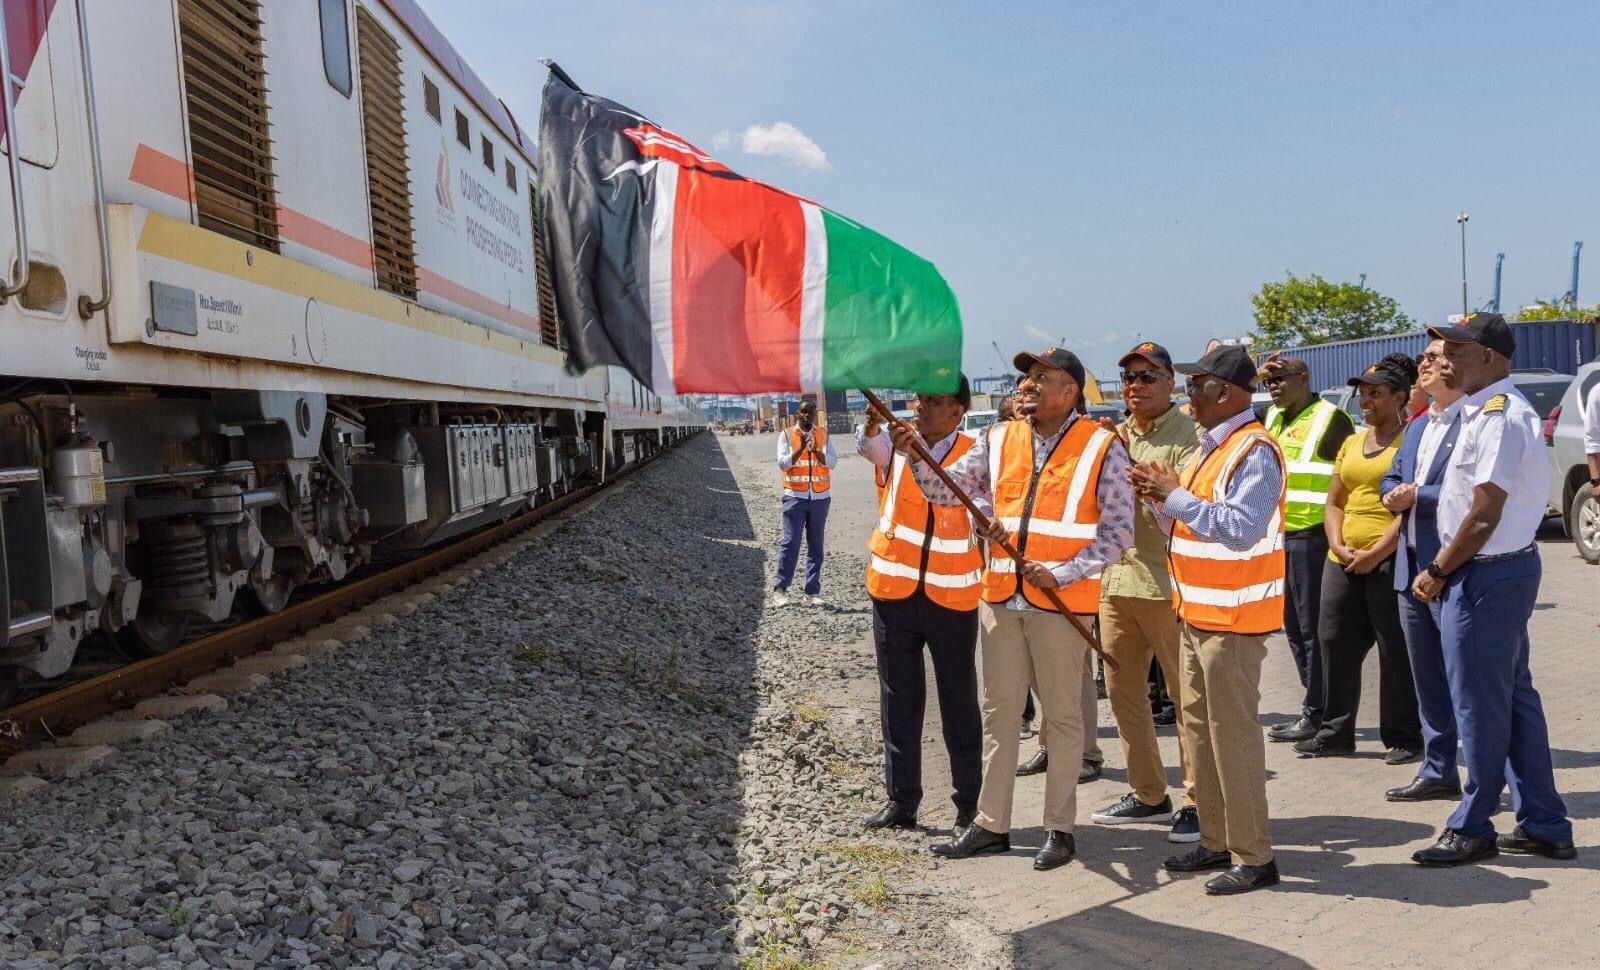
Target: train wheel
[(261, 599), (154, 632)]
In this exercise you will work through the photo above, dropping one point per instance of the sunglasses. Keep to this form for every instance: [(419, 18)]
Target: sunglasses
[(1277, 379), (1429, 358), (1140, 377)]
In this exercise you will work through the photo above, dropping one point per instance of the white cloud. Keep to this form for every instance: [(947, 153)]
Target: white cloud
[(722, 140), (786, 143), (1040, 335)]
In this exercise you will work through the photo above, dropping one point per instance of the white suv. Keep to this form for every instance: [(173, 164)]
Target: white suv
[(1570, 494)]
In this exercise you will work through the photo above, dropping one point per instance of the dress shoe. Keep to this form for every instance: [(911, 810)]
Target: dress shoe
[(1034, 765), (1320, 747), (974, 840), (964, 818), (1401, 756), (1455, 849), (1166, 717), (1058, 850), (891, 816), (1198, 860), (1521, 843), (1422, 790), (1299, 730), (1088, 771), (1243, 879)]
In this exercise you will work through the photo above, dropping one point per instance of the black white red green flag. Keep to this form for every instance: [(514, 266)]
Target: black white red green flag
[(696, 279)]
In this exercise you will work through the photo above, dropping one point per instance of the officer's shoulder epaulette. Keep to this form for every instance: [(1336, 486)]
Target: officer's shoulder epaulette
[(1495, 404)]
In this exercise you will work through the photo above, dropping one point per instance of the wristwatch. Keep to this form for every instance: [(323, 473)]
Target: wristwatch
[(1434, 570)]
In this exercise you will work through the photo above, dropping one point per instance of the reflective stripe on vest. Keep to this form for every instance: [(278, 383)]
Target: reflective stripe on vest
[(1051, 517), (1309, 476), (807, 474), (1214, 587), (918, 543)]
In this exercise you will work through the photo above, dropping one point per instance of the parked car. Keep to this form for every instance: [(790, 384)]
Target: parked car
[(1113, 411), (1570, 494), (978, 420)]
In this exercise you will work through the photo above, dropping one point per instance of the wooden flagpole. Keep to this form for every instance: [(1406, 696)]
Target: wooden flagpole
[(876, 403)]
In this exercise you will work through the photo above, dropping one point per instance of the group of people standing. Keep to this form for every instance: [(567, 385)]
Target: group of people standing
[(1188, 535)]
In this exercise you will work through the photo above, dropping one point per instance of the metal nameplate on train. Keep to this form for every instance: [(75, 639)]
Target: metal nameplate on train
[(172, 308)]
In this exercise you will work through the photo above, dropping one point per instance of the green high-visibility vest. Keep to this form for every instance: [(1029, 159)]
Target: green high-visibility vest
[(1309, 476)]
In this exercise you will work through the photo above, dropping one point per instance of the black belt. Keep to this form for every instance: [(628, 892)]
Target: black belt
[(1527, 550)]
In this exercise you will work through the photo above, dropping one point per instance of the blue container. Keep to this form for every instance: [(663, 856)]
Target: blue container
[(1558, 345)]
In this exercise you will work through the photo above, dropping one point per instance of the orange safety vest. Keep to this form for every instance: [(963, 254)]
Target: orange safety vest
[(1051, 515), (807, 474), (1213, 587), (919, 544)]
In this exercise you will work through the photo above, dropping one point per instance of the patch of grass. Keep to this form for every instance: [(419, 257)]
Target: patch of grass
[(534, 653), (691, 751), (873, 891), (777, 956), (872, 855), (179, 915), (810, 713)]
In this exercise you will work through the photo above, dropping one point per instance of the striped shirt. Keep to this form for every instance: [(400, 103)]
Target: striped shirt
[(1241, 515), (1113, 534)]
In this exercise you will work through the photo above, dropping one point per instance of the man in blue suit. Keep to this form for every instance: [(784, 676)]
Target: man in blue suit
[(1411, 490)]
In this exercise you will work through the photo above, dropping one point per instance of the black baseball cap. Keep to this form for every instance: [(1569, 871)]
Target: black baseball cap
[(962, 394), (1054, 357), (1382, 373), (1487, 329), (1154, 353), (1230, 362)]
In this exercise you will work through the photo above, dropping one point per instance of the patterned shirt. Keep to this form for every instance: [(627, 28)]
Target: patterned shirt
[(1113, 534), (1239, 518)]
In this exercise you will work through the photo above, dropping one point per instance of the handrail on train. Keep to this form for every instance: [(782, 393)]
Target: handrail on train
[(13, 158), (87, 307)]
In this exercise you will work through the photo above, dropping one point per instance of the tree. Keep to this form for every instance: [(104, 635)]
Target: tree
[(1558, 311), (1298, 311)]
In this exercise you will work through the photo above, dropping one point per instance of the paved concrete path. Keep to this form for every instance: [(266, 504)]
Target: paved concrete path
[(1350, 896)]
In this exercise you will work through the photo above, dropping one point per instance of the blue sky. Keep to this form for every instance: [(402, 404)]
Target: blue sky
[(1106, 172)]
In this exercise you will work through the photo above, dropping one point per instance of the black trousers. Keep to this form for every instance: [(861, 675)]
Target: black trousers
[(1305, 555), (1356, 612), (900, 630)]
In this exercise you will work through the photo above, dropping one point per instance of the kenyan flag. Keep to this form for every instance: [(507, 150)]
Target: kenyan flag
[(697, 279)]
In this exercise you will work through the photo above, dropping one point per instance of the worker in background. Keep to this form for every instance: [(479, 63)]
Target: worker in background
[(923, 576), (1058, 488), (1226, 553), (1411, 491), (1309, 432), (806, 458), (1485, 580), (1358, 603), (1136, 603)]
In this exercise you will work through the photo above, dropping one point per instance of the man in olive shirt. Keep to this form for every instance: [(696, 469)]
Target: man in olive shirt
[(1136, 617)]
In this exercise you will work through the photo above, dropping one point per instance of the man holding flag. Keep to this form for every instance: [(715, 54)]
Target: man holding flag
[(1057, 483)]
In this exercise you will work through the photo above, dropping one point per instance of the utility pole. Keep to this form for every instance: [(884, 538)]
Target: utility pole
[(1462, 221)]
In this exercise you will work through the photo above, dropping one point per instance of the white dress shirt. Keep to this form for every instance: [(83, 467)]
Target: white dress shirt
[(1591, 422), (1504, 448)]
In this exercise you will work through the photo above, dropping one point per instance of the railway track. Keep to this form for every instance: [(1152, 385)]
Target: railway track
[(53, 715)]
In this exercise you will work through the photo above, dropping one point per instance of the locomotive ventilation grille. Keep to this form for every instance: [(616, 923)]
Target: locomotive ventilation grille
[(549, 328), (225, 86), (388, 180)]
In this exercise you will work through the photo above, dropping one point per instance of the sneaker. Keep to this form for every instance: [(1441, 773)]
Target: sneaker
[(780, 598), (818, 601), (1185, 826), (1128, 808), (1320, 747)]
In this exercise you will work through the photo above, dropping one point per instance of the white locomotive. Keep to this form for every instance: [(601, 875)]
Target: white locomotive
[(269, 308)]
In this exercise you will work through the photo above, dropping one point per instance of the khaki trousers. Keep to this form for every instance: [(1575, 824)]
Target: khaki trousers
[(1132, 630), (1089, 703), (1221, 677), (1022, 647)]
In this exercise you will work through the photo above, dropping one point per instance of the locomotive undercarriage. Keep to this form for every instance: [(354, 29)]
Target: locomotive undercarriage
[(140, 513)]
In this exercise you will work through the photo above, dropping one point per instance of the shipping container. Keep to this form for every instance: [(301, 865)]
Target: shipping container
[(1558, 345)]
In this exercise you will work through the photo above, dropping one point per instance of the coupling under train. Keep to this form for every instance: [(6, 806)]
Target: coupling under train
[(270, 310)]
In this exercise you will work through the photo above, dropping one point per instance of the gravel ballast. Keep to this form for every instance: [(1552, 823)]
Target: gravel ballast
[(599, 752)]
